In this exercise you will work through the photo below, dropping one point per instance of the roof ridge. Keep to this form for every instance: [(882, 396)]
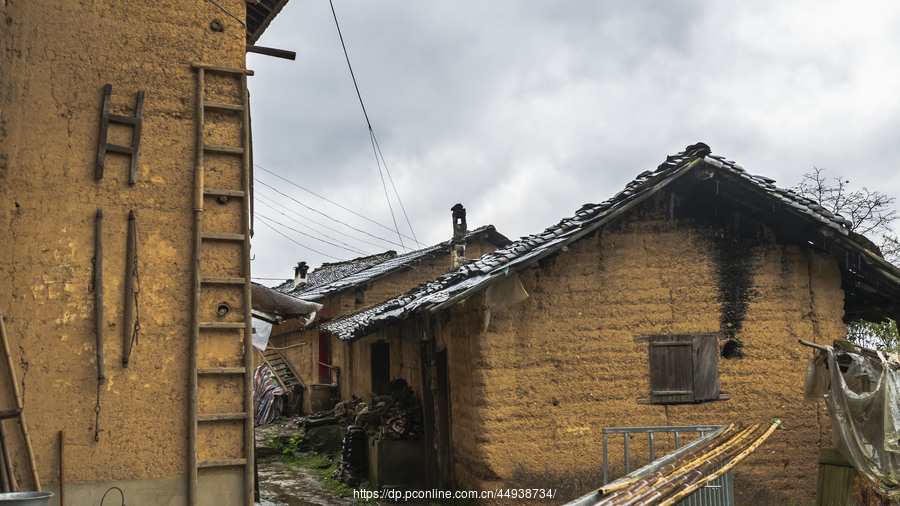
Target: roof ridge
[(479, 272)]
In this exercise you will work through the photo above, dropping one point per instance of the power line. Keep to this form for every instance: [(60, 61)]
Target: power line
[(391, 179), (307, 219), (386, 196), (329, 217), (297, 242), (375, 146), (337, 204), (345, 245)]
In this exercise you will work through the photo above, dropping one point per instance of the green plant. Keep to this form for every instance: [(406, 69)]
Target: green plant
[(323, 467), (293, 445), (274, 442)]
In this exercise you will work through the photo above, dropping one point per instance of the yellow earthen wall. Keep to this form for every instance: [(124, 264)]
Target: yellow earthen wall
[(56, 58), (533, 391)]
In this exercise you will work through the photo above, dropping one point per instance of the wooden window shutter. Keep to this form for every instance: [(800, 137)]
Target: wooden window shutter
[(706, 367), (684, 368), (671, 370)]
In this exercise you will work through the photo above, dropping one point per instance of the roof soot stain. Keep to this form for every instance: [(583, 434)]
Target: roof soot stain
[(734, 271)]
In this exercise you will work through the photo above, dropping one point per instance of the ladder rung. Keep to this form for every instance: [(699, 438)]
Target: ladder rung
[(221, 416), (118, 118), (223, 281), (222, 325), (115, 148), (227, 107), (222, 237), (227, 193), (223, 149), (221, 370), (222, 463)]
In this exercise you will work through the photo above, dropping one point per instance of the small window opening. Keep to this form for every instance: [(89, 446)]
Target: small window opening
[(684, 368)]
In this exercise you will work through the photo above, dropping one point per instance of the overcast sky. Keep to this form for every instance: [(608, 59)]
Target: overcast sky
[(525, 110)]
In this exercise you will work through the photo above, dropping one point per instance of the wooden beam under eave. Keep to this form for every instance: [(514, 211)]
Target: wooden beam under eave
[(271, 51)]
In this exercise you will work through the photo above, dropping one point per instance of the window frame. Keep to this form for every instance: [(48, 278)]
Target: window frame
[(683, 368)]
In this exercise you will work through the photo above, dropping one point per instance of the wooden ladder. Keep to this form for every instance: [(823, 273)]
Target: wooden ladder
[(135, 122), (282, 369), (215, 326)]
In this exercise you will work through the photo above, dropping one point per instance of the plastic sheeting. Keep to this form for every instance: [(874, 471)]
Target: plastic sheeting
[(265, 392), (862, 389), (261, 332)]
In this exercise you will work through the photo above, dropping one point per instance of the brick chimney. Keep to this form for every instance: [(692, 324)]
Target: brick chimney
[(458, 243), (300, 274)]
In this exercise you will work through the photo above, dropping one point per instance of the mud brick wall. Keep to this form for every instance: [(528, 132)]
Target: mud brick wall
[(533, 391), (56, 58)]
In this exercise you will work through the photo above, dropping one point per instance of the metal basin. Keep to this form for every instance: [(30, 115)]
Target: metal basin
[(25, 498)]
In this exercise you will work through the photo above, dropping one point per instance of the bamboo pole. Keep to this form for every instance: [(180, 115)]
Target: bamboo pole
[(249, 437), (195, 302), (649, 493), (62, 469), (613, 487), (19, 404), (5, 471), (750, 449)]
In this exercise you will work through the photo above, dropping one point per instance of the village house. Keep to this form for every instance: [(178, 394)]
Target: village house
[(125, 170), (678, 301), (345, 287)]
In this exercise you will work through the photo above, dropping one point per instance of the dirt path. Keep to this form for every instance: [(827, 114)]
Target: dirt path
[(283, 485)]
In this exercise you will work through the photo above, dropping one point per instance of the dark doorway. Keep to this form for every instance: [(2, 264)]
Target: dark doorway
[(381, 368), (442, 403)]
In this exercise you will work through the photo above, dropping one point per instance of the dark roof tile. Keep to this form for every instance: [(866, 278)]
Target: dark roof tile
[(477, 273)]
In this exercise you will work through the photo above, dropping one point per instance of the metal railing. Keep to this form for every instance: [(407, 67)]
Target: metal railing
[(677, 429), (719, 492)]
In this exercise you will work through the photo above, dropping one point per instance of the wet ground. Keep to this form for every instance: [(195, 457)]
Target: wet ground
[(284, 485)]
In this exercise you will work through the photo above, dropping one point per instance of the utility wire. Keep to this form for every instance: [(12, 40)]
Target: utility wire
[(226, 11), (297, 242), (391, 179), (383, 185), (329, 217), (372, 137), (307, 219), (343, 246), (337, 204)]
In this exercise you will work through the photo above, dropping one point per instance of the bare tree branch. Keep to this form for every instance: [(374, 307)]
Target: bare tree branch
[(870, 211)]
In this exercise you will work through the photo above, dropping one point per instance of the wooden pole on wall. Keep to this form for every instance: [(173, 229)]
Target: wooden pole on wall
[(62, 469), (19, 405)]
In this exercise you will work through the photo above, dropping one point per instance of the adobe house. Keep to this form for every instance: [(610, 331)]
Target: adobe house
[(345, 287), (127, 336), (679, 301)]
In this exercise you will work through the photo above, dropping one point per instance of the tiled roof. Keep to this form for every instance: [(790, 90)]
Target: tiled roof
[(336, 277), (259, 14), (479, 273)]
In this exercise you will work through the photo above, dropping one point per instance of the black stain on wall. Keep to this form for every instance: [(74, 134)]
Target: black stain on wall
[(734, 263)]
